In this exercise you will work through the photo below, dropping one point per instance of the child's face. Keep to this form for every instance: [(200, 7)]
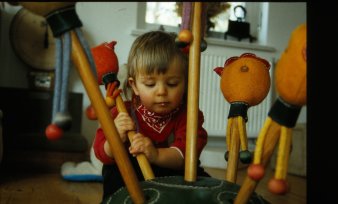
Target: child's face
[(160, 93)]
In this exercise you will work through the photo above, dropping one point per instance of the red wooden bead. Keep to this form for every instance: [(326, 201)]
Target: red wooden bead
[(256, 171), (278, 186), (90, 113), (53, 132)]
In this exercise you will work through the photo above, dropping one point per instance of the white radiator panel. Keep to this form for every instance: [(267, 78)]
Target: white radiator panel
[(214, 106)]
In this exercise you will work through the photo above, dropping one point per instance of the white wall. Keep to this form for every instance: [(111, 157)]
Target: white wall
[(106, 21)]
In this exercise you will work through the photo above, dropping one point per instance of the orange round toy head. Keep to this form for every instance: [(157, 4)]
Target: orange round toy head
[(106, 62), (291, 69), (245, 79)]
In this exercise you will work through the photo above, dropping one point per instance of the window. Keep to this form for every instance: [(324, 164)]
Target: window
[(152, 15), (162, 13)]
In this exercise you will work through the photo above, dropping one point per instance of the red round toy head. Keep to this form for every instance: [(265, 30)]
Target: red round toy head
[(106, 62)]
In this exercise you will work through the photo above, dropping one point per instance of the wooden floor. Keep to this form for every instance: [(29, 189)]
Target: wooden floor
[(297, 194), (31, 179)]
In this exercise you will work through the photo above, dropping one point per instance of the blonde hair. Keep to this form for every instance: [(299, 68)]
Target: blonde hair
[(153, 52)]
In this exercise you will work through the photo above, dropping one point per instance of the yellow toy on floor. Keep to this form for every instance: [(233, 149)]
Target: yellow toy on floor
[(290, 79)]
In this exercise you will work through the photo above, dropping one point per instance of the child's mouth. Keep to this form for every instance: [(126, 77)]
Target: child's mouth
[(163, 104)]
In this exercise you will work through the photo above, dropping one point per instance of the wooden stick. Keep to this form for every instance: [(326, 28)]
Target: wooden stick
[(231, 172), (261, 140), (249, 185), (120, 154), (141, 158), (228, 133), (242, 133), (193, 95), (227, 140), (283, 153)]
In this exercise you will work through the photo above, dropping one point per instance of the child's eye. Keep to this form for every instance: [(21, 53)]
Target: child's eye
[(149, 85), (172, 84)]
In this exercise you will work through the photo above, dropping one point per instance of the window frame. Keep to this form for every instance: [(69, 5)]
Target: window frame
[(254, 17)]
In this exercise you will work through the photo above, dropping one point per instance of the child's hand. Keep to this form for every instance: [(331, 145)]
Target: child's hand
[(124, 123), (142, 144)]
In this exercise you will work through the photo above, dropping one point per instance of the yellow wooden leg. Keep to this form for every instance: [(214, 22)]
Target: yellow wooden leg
[(228, 136), (231, 172), (242, 133), (283, 153)]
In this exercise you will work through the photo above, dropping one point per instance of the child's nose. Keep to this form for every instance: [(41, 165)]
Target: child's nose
[(162, 90)]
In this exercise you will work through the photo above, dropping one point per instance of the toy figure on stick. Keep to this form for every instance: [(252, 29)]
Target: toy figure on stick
[(290, 80), (107, 68), (245, 82)]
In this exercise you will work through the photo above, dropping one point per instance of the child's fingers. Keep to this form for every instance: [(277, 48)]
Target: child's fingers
[(124, 122), (132, 151), (127, 127), (123, 117), (138, 136), (136, 149), (137, 144)]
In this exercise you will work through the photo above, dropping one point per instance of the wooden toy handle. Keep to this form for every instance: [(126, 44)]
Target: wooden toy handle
[(193, 95), (141, 158)]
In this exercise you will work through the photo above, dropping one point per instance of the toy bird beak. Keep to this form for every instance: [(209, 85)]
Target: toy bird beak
[(219, 70)]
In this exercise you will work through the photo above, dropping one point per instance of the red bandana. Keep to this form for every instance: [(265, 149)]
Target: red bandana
[(154, 120)]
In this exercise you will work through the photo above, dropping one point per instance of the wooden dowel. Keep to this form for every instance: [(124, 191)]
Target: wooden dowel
[(242, 133), (283, 153), (231, 170), (141, 158), (228, 132), (193, 95), (249, 185), (260, 141), (116, 145)]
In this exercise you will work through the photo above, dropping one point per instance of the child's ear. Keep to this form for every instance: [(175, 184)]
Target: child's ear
[(132, 83)]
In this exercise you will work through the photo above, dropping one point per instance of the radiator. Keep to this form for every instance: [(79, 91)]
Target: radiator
[(214, 106)]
